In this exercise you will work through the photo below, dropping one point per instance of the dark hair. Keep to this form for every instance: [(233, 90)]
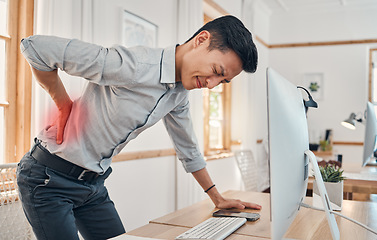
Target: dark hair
[(229, 33)]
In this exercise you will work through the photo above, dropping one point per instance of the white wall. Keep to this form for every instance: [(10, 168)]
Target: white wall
[(351, 24), (108, 19), (345, 67), (142, 190)]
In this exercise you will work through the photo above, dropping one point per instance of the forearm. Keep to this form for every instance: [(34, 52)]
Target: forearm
[(205, 181), (203, 178), (51, 82)]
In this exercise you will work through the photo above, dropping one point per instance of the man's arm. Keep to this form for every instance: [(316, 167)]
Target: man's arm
[(179, 127), (46, 54), (97, 64), (53, 85), (203, 178)]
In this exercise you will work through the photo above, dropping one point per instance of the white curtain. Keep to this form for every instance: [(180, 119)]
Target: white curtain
[(190, 19), (69, 19), (250, 99)]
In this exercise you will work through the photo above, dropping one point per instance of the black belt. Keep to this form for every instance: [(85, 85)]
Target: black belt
[(44, 157)]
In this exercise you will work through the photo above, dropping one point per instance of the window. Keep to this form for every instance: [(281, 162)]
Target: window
[(217, 119), (16, 22), (216, 102), (4, 38)]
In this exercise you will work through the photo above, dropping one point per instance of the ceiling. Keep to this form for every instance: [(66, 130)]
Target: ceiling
[(316, 6)]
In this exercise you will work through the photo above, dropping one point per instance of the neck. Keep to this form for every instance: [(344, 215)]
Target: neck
[(179, 54)]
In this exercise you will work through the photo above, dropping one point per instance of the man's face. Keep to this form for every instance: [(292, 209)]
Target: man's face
[(207, 69)]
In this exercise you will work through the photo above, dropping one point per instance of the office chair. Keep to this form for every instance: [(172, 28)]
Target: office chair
[(248, 169), (13, 223)]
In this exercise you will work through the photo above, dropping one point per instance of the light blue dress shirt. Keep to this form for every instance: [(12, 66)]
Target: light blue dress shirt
[(129, 90)]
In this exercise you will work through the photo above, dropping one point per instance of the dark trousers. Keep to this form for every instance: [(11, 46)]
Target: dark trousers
[(57, 205)]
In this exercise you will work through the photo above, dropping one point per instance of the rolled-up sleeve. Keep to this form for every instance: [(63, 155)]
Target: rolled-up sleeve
[(179, 126), (90, 61)]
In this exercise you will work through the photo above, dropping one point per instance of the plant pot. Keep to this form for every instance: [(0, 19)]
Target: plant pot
[(313, 146), (335, 193)]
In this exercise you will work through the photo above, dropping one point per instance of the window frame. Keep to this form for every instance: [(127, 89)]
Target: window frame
[(226, 124), (17, 107), (214, 8), (371, 80)]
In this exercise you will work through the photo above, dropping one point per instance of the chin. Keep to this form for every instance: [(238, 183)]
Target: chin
[(187, 85)]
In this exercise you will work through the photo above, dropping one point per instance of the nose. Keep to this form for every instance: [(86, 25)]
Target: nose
[(213, 81)]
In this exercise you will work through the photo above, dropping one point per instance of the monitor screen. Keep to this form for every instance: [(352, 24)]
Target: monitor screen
[(370, 133), (288, 141)]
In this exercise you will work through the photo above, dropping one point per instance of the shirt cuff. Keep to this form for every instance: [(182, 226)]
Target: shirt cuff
[(32, 57), (193, 165)]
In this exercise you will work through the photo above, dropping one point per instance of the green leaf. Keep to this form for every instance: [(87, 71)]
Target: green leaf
[(331, 173)]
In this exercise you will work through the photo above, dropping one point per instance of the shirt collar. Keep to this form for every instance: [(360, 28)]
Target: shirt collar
[(168, 66)]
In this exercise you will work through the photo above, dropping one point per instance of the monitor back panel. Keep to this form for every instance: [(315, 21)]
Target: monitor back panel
[(288, 141)]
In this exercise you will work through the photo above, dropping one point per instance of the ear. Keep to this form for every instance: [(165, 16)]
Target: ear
[(202, 38)]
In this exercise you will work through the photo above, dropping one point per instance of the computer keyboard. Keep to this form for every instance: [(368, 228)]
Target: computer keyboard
[(215, 228)]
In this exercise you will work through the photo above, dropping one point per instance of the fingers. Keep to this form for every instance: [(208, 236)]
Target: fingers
[(243, 205), (60, 128), (252, 205), (235, 203), (60, 131), (240, 206), (61, 122)]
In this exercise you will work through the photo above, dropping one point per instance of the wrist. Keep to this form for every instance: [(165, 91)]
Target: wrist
[(215, 196), (61, 97), (208, 189), (64, 104)]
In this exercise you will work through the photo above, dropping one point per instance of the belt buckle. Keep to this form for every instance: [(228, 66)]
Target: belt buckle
[(82, 174)]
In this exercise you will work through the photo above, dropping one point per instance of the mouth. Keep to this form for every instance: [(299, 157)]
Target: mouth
[(198, 83)]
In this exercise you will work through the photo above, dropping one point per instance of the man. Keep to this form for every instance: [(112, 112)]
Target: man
[(61, 179)]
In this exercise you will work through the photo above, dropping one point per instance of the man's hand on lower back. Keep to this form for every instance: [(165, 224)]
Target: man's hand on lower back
[(61, 122)]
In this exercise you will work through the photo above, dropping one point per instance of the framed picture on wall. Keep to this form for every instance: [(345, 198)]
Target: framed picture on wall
[(137, 31), (313, 82)]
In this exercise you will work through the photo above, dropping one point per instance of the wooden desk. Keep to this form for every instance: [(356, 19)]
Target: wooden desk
[(309, 224), (199, 212), (324, 154)]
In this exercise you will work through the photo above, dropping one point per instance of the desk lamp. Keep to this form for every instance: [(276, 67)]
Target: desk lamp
[(350, 122), (370, 132)]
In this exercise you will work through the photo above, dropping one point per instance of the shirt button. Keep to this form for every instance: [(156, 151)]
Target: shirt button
[(171, 85)]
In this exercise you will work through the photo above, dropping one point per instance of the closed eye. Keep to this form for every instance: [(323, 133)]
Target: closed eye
[(218, 74), (225, 81)]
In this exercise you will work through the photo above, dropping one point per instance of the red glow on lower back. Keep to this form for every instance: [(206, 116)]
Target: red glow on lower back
[(76, 123)]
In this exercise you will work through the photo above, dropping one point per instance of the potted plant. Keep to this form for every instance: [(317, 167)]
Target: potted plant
[(333, 178)]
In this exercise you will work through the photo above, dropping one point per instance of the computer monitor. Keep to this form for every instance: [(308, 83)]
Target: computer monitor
[(370, 133), (289, 155)]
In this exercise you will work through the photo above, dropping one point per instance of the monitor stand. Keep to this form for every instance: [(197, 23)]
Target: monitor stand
[(325, 198), (372, 162)]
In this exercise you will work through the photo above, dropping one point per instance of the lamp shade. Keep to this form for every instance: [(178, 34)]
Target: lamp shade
[(350, 122)]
